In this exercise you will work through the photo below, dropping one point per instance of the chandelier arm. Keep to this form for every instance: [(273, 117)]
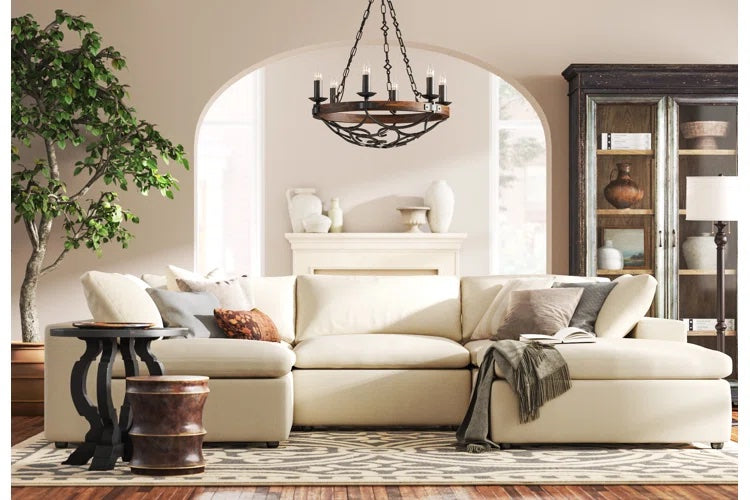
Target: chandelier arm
[(402, 46), (386, 47), (357, 38)]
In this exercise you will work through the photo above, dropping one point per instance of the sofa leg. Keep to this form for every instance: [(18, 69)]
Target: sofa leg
[(272, 444), (61, 444), (717, 446)]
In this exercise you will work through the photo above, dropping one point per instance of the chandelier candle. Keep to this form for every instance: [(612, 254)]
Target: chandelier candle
[(393, 92), (365, 78), (430, 76), (317, 77), (441, 89), (332, 90)]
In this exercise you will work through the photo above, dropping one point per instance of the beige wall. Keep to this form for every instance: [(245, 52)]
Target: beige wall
[(181, 52)]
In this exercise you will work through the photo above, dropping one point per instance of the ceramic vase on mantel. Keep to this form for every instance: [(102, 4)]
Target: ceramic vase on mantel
[(700, 252), (439, 197), (302, 203), (336, 215)]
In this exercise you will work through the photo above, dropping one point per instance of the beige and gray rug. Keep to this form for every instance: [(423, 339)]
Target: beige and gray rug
[(398, 457)]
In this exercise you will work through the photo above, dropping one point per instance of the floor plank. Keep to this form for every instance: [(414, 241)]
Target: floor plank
[(25, 427)]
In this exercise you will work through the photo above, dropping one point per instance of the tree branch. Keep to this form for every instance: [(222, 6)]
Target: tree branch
[(31, 230), (55, 264)]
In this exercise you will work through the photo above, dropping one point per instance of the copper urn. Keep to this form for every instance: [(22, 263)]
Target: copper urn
[(623, 192)]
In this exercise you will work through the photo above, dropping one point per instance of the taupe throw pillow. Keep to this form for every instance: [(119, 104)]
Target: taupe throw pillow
[(594, 295), (538, 311)]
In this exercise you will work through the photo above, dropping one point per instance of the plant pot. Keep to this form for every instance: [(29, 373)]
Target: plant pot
[(26, 378)]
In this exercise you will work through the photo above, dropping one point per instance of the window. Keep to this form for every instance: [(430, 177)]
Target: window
[(229, 180), (518, 184)]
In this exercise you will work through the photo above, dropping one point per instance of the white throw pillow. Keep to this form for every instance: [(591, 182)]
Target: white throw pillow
[(230, 294), (155, 280), (488, 325), (625, 305), (119, 298), (173, 273)]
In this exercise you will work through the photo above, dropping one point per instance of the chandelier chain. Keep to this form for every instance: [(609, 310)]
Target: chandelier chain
[(402, 46), (342, 85), (386, 47)]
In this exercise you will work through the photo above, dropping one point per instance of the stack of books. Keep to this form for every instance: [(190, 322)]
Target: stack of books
[(626, 141)]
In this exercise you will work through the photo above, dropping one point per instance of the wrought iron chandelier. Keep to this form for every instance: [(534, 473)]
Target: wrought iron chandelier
[(381, 124)]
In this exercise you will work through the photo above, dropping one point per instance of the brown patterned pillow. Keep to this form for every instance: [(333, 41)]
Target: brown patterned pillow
[(251, 325)]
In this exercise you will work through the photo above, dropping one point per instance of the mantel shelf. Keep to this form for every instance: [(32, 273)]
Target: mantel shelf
[(708, 152), (625, 152)]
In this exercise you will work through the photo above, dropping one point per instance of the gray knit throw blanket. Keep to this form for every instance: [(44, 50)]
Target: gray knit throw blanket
[(536, 373)]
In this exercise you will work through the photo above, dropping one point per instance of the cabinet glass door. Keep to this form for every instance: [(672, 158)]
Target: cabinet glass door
[(703, 142), (626, 155)]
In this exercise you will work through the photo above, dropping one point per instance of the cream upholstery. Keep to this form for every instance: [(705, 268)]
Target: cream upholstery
[(383, 351), (625, 305), (274, 295), (119, 298), (637, 359), (619, 411), (478, 292), (661, 329), (381, 397), (420, 305), (218, 358)]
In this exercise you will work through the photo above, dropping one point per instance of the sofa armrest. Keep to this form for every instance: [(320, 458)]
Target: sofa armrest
[(661, 329)]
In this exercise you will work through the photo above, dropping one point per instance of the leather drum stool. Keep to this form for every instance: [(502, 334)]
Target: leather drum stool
[(167, 431)]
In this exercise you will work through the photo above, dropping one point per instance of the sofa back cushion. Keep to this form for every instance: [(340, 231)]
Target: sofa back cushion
[(335, 305), (274, 296), (119, 298), (478, 292), (625, 305)]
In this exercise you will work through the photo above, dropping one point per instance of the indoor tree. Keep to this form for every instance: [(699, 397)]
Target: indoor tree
[(68, 96)]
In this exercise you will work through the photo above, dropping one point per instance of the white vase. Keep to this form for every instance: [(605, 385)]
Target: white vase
[(608, 257), (700, 252), (439, 197), (316, 223), (302, 202), (336, 215)]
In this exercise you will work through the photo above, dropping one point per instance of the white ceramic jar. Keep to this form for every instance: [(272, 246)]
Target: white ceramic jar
[(302, 202), (336, 215), (439, 197), (700, 252), (608, 257)]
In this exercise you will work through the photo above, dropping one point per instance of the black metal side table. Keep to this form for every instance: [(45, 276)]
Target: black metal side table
[(107, 438)]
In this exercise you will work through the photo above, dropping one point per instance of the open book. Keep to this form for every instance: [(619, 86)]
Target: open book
[(567, 335)]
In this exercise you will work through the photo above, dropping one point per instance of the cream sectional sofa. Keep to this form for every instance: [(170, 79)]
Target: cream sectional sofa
[(372, 351)]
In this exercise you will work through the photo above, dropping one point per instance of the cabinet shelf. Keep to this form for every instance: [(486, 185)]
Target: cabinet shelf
[(619, 272), (708, 152), (625, 152), (624, 211), (710, 333), (704, 272)]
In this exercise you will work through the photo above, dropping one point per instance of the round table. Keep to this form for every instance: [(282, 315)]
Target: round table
[(107, 439)]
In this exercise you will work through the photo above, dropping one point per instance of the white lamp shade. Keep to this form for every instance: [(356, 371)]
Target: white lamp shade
[(714, 198)]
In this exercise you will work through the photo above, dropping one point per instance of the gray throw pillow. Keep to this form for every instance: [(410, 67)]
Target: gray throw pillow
[(193, 310), (594, 295), (538, 311)]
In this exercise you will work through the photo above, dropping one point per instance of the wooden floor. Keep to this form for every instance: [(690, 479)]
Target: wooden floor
[(25, 427)]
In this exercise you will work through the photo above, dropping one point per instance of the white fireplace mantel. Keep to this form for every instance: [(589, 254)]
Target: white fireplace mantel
[(376, 253)]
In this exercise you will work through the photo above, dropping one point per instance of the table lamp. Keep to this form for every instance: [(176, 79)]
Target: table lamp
[(716, 199)]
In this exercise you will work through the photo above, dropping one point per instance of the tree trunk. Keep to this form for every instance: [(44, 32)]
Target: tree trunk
[(27, 302)]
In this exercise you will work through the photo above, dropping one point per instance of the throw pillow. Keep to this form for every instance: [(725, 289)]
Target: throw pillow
[(193, 310), (625, 305), (538, 311), (119, 298), (488, 325), (250, 325), (592, 299), (173, 273), (155, 280), (229, 293)]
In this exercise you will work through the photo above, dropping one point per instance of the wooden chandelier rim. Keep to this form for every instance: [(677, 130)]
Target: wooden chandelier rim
[(400, 112)]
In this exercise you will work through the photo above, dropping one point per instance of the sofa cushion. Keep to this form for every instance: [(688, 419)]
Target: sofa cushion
[(592, 300), (172, 273), (632, 359), (335, 305), (193, 310), (478, 292), (626, 304), (230, 294), (248, 325), (119, 298), (219, 358), (538, 311), (384, 351), (274, 295)]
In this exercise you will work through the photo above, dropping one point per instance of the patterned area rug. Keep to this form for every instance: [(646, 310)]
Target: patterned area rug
[(397, 457)]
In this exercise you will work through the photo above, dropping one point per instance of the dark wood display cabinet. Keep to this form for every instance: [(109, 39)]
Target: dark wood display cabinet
[(663, 123)]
